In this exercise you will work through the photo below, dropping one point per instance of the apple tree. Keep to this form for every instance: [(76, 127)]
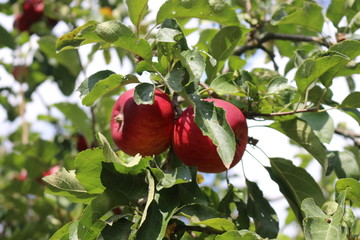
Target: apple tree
[(154, 150)]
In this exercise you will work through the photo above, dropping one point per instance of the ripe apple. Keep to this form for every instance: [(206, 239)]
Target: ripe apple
[(195, 149), (21, 23), (143, 129), (33, 10)]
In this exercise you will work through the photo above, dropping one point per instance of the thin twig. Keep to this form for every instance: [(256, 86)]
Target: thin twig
[(280, 36), (271, 55), (348, 134), (252, 115)]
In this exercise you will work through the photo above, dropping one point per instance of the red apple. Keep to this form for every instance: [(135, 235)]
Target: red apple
[(81, 143), (21, 23), (195, 149), (22, 176), (143, 129), (33, 10)]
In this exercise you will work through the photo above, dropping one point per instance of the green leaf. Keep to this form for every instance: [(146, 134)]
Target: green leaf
[(235, 235), (78, 117), (174, 79), (144, 93), (100, 83), (351, 101), (212, 122), (345, 164), (318, 225), (198, 213), (63, 233), (354, 113), (221, 47), (309, 16), (224, 84), (295, 183), (6, 39), (321, 123), (266, 221), (220, 224), (352, 187), (215, 10), (133, 187), (131, 165), (159, 214), (311, 69), (118, 230), (91, 222), (137, 11), (113, 32), (88, 170), (190, 192), (194, 63), (64, 183), (301, 132), (71, 39), (336, 11)]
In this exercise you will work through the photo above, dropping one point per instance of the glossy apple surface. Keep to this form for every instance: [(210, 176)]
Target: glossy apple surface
[(143, 129), (195, 149)]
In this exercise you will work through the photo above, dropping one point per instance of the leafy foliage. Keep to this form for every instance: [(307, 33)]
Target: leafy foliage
[(99, 192)]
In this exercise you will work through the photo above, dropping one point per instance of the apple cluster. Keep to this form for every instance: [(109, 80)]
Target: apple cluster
[(32, 12), (150, 129)]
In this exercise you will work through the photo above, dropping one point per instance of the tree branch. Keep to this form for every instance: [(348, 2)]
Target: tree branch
[(347, 134), (252, 115), (257, 43)]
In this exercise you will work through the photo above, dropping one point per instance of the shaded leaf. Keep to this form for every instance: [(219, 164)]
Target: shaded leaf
[(216, 10), (295, 183), (6, 39), (266, 221), (78, 117), (302, 133), (221, 47), (235, 235), (144, 93), (345, 164), (309, 16), (91, 223)]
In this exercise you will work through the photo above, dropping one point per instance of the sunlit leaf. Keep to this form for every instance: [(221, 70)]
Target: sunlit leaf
[(321, 123), (351, 101), (144, 93), (100, 83), (302, 133), (216, 10), (137, 10)]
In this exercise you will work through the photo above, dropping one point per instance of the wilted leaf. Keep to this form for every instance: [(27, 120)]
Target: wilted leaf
[(64, 183)]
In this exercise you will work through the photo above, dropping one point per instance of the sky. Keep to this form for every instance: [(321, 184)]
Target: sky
[(273, 143)]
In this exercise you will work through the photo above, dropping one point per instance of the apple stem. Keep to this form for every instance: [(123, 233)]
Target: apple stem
[(119, 119)]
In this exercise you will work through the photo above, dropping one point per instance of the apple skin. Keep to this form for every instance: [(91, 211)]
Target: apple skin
[(195, 149), (143, 129), (33, 10)]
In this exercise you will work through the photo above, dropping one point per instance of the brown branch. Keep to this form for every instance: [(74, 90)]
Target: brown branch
[(302, 110), (257, 43), (348, 134), (271, 55)]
